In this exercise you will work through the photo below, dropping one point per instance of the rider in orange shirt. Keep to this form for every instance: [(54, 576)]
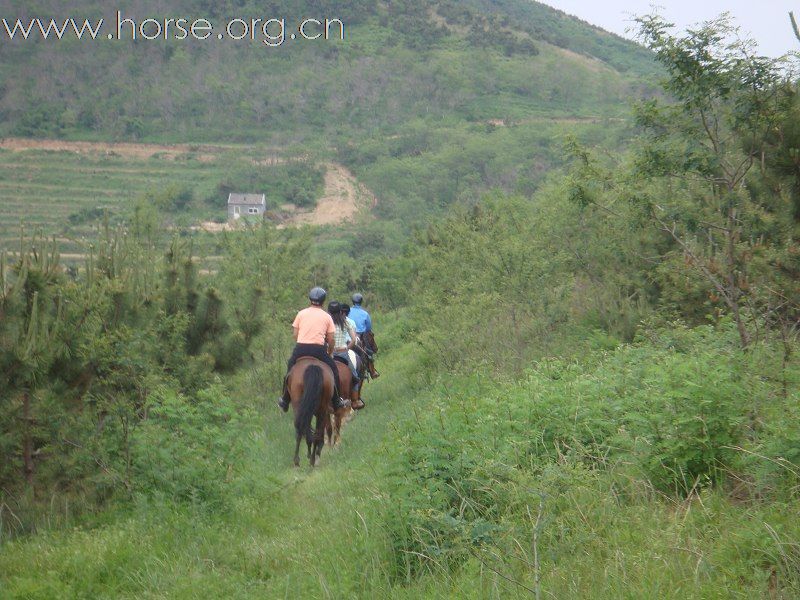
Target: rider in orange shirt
[(313, 331)]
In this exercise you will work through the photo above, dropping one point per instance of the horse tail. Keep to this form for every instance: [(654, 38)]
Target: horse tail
[(312, 394)]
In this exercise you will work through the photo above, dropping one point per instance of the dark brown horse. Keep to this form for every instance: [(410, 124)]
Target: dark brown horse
[(368, 350), (310, 388)]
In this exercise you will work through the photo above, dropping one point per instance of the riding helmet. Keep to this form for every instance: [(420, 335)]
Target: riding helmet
[(357, 298), (345, 308), (317, 295), (334, 307)]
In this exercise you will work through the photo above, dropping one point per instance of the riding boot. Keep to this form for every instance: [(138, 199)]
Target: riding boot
[(283, 401), (356, 402), (337, 400)]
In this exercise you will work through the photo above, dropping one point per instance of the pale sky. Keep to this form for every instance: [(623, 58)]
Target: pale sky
[(766, 21)]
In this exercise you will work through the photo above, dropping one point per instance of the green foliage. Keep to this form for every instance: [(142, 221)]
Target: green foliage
[(299, 182), (670, 414), (110, 371), (507, 280), (398, 62), (187, 448), (85, 215), (560, 29), (698, 163), (171, 198)]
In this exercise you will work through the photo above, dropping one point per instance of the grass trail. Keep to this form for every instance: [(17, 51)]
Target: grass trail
[(287, 533)]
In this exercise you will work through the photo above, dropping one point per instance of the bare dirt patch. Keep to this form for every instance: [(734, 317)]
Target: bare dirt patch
[(563, 120), (203, 153), (213, 227), (344, 196)]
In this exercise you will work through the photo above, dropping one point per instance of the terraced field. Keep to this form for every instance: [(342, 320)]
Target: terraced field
[(57, 191)]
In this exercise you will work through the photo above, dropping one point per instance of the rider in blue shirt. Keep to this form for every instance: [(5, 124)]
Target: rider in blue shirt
[(359, 316), (363, 326)]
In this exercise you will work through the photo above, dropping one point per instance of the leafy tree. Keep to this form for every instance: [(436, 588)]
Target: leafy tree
[(706, 149)]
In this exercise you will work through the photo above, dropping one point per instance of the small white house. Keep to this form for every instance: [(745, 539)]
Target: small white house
[(250, 205)]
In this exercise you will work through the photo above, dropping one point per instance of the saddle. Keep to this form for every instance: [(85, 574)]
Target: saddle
[(341, 359), (306, 358)]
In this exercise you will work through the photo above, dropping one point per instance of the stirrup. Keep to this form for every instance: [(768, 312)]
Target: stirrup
[(340, 403)]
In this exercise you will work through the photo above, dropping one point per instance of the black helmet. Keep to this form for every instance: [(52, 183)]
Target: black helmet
[(334, 307), (317, 295), (357, 298)]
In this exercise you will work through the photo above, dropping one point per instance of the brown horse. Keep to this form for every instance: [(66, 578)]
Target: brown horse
[(369, 348), (334, 430), (310, 388)]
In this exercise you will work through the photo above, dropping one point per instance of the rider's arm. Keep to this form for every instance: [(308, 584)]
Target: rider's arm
[(295, 331), (368, 324), (329, 342), (352, 343)]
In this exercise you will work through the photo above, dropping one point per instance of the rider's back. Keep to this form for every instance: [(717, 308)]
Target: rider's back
[(361, 319), (313, 323)]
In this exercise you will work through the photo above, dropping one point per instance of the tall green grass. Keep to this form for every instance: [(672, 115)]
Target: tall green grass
[(463, 487)]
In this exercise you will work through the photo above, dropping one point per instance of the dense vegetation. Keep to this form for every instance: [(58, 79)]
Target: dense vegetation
[(430, 59), (429, 102), (590, 385)]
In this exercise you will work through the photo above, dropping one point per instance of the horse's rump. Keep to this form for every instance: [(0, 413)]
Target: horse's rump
[(313, 387), (310, 386)]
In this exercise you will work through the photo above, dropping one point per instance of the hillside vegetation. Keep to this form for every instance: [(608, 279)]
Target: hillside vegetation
[(69, 192), (430, 103), (590, 377), (399, 61)]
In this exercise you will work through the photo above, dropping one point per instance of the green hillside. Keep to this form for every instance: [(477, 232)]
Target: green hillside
[(439, 61), (429, 103)]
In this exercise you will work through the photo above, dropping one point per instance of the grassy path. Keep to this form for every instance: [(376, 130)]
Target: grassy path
[(286, 533)]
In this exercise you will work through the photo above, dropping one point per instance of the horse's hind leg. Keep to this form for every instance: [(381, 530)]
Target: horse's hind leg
[(312, 448), (319, 439), (329, 431), (337, 436), (297, 450)]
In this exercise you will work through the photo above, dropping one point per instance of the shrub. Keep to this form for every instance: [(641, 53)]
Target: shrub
[(188, 448)]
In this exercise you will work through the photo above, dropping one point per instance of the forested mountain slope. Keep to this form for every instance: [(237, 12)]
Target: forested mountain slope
[(430, 103), (436, 60)]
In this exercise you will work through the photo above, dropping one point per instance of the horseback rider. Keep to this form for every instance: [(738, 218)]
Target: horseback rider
[(313, 331), (352, 352), (363, 324), (343, 337), (351, 332)]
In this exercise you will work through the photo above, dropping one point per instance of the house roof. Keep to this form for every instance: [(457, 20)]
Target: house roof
[(248, 199)]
